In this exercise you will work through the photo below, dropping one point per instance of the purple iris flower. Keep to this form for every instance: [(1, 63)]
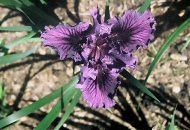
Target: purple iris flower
[(104, 49)]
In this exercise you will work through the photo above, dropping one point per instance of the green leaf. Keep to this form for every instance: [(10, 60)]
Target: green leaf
[(171, 125), (10, 3), (1, 91), (69, 109), (166, 45), (144, 6), (109, 110), (7, 59), (27, 14), (43, 2), (3, 50), (37, 15), (25, 39), (107, 11), (36, 105), (138, 84), (64, 100), (16, 28), (186, 44)]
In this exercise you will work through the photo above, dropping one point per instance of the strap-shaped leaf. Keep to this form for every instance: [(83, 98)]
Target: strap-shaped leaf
[(16, 28), (166, 45), (64, 100), (138, 84), (7, 59), (37, 15), (144, 6), (36, 105), (186, 43), (10, 3), (107, 11), (69, 110), (171, 125), (25, 39)]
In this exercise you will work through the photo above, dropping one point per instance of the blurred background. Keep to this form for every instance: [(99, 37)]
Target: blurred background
[(27, 80)]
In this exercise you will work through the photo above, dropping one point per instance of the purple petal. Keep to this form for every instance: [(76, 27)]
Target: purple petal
[(133, 30), (98, 26), (105, 29), (96, 15), (124, 60), (99, 93), (89, 72), (108, 60), (66, 40)]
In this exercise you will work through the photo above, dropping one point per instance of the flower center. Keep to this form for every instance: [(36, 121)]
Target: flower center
[(98, 49)]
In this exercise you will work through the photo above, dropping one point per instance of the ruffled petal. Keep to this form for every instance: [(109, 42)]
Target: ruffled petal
[(89, 72), (105, 29), (96, 16), (99, 93), (66, 40), (133, 30), (119, 60), (124, 60)]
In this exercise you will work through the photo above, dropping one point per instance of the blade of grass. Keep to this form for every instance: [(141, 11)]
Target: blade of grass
[(186, 44), (1, 91), (43, 2), (36, 14), (17, 28), (107, 11), (166, 45), (138, 84), (171, 125), (36, 105), (26, 15), (144, 6), (64, 100), (69, 110), (7, 59), (24, 39), (10, 3)]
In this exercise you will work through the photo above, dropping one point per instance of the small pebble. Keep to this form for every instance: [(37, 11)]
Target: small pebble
[(178, 57), (176, 89)]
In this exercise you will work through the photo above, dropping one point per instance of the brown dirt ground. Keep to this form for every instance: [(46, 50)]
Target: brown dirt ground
[(36, 76)]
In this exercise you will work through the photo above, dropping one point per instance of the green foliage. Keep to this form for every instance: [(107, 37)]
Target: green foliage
[(138, 84), (3, 50), (25, 39), (4, 107), (171, 125), (16, 28), (166, 45), (145, 6), (43, 2), (13, 4), (35, 15), (61, 104), (187, 39), (38, 104), (7, 59), (69, 109), (2, 91), (107, 12)]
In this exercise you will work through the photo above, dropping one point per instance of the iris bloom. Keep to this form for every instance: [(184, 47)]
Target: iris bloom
[(104, 49)]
